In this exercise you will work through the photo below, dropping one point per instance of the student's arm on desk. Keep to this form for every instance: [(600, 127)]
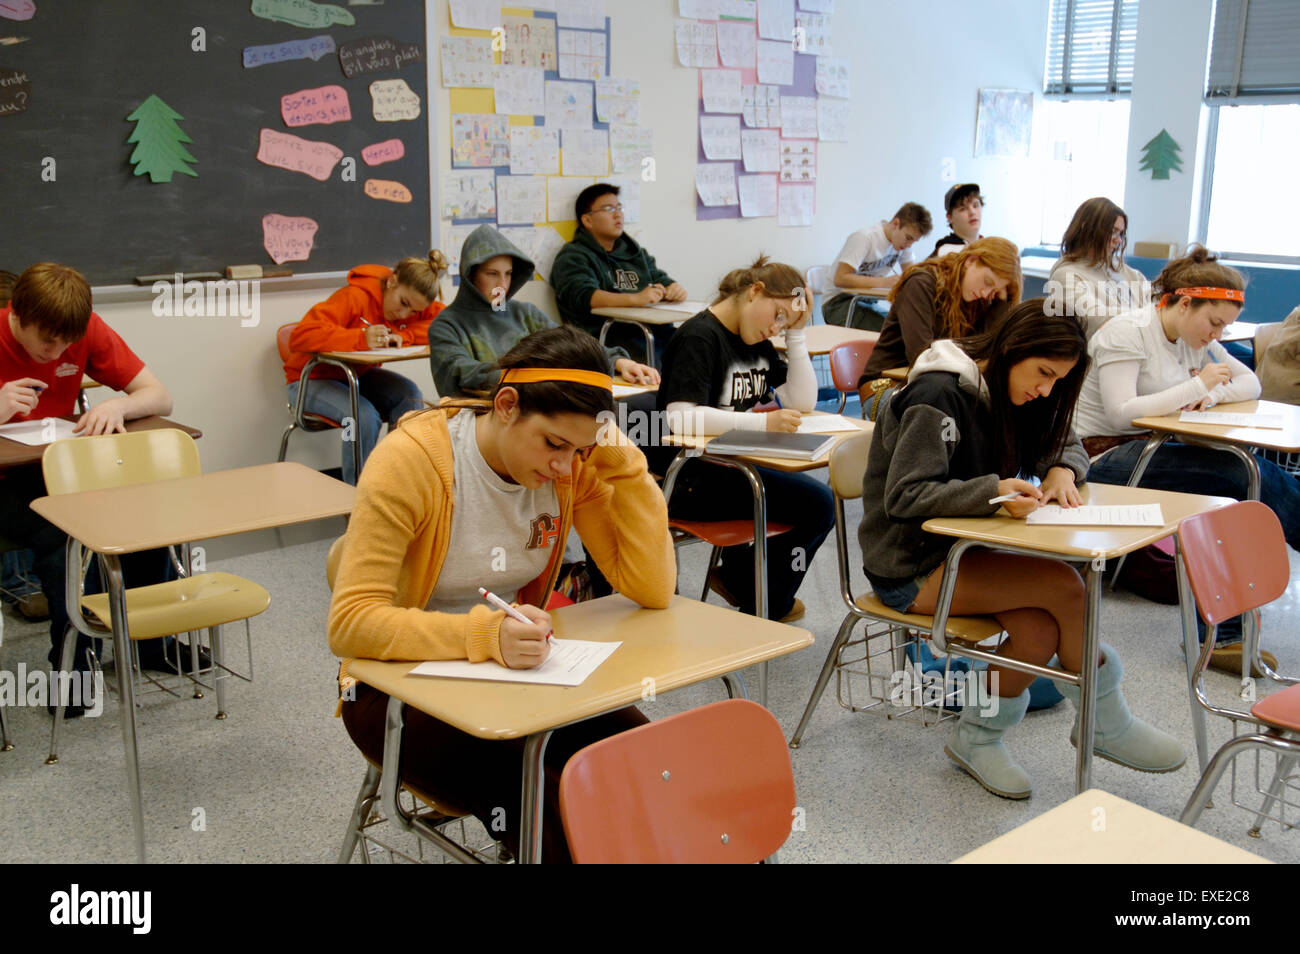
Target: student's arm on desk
[(846, 276), (396, 494), (1119, 397), (325, 326), (621, 516), (144, 396), (646, 296), (19, 396), (1242, 386)]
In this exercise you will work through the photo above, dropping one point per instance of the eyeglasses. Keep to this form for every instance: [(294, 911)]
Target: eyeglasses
[(608, 208), (1118, 233)]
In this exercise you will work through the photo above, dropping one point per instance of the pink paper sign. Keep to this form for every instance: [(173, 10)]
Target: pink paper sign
[(386, 151), (387, 190), (325, 104), (316, 159), (288, 238)]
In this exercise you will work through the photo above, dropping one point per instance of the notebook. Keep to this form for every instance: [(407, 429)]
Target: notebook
[(768, 444)]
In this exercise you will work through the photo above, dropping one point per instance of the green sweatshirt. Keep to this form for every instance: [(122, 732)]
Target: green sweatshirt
[(467, 338), (583, 267)]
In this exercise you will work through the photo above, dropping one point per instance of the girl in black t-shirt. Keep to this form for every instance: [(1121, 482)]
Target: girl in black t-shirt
[(720, 372)]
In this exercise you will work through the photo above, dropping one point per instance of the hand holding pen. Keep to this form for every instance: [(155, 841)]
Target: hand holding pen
[(19, 396), (1018, 497), (525, 634)]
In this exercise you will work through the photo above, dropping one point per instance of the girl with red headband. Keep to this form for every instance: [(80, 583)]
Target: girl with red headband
[(1164, 358), (483, 494)]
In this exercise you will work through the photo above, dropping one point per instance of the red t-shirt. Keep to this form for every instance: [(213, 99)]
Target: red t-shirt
[(101, 353)]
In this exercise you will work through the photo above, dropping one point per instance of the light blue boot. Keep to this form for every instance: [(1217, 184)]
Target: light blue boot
[(976, 745), (1120, 736)]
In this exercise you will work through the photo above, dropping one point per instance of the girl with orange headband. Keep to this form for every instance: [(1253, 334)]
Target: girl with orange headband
[(483, 494), (1163, 358)]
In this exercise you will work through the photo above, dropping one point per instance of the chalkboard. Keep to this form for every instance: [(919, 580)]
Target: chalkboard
[(87, 64)]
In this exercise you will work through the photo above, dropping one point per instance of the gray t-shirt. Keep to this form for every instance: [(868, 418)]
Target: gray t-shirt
[(502, 534)]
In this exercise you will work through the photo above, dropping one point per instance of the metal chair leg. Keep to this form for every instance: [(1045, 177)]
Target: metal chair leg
[(65, 665), (714, 557), (1284, 766), (5, 744), (219, 674), (1222, 759), (828, 667), (284, 440), (360, 812)]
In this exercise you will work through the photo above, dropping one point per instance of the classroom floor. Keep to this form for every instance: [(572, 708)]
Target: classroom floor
[(275, 782)]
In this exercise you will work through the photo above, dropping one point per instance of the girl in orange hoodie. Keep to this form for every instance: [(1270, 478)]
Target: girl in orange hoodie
[(378, 308)]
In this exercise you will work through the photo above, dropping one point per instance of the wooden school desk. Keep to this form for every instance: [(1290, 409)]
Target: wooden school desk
[(1096, 827), (345, 361), (823, 339), (896, 374), (1091, 547), (696, 446), (17, 454), (646, 316), (161, 513), (667, 649)]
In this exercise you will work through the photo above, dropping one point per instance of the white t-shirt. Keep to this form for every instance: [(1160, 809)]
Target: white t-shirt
[(1095, 294), (1137, 371), (502, 534), (868, 252)]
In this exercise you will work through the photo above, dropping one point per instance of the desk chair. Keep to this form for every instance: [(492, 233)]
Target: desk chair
[(194, 602), (708, 786), (1236, 562), (304, 419), (426, 823), (898, 630), (847, 363)]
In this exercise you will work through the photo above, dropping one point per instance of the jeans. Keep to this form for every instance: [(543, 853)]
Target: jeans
[(706, 491), (1202, 470), (384, 397)]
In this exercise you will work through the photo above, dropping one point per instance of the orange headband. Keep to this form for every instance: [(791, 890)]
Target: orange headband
[(1223, 294), (538, 375)]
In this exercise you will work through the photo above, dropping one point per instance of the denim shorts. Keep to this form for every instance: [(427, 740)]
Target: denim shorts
[(901, 597)]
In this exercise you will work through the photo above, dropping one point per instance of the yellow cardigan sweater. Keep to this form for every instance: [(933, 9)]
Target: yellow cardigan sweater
[(400, 529)]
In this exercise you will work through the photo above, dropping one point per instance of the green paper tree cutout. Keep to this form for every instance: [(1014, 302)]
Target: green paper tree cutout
[(159, 150), (1160, 155)]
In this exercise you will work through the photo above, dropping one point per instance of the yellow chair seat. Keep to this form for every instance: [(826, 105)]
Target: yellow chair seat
[(181, 606), (965, 629)]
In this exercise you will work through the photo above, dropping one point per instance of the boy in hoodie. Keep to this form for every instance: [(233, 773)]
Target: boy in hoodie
[(604, 268), (485, 322), (965, 209), (378, 308)]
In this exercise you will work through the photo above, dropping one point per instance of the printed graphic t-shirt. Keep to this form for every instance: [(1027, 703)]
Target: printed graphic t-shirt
[(868, 252), (706, 364), (502, 534)]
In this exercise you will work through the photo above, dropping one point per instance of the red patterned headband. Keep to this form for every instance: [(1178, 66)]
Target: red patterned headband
[(1203, 291)]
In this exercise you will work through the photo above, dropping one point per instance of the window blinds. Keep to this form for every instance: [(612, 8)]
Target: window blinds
[(1090, 47), (1254, 52)]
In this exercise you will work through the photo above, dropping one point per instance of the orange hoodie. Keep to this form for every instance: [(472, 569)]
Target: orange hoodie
[(336, 323)]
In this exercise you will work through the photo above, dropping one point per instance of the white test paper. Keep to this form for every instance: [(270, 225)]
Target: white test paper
[(715, 183), (45, 430), (737, 45), (1229, 419), (570, 663), (720, 137), (757, 195), (584, 152), (721, 91), (407, 351), (697, 43), (826, 424), (775, 62), (761, 150), (1097, 515)]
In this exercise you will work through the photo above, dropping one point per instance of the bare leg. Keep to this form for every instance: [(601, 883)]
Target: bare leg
[(1038, 600)]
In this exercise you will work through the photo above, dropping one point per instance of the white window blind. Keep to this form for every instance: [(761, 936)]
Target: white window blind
[(1090, 47), (1254, 52)]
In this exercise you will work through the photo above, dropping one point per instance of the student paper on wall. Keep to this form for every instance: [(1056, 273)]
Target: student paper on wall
[(629, 196), (736, 45), (475, 14), (584, 152), (697, 43), (529, 42), (698, 9), (720, 137), (466, 61), (453, 240), (629, 146), (582, 54), (583, 14), (798, 160), (832, 78), (795, 205), (775, 62), (776, 21), (479, 139), (736, 9), (757, 195), (521, 200), (468, 195), (798, 117), (761, 105), (818, 6), (1004, 123), (715, 183), (618, 100), (534, 150), (721, 91), (568, 105), (812, 34), (833, 120), (519, 90), (761, 150), (541, 243), (561, 193)]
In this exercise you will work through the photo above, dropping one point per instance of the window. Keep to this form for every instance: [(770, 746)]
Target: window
[(1082, 153), (1090, 46), (1254, 201)]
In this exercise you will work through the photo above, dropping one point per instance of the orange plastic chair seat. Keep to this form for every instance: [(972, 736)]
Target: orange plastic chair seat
[(726, 533), (186, 605), (1282, 709)]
